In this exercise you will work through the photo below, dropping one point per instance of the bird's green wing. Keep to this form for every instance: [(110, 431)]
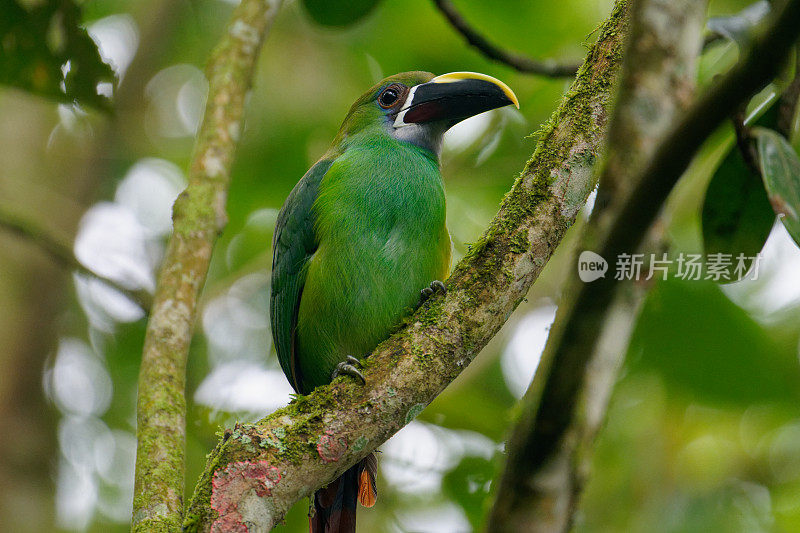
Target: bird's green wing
[(293, 244)]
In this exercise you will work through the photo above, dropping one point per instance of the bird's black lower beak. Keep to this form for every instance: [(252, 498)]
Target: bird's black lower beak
[(451, 98)]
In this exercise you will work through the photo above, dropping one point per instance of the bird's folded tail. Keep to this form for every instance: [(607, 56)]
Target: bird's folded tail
[(335, 505)]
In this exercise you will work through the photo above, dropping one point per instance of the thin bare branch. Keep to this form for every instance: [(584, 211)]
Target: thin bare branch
[(519, 62), (61, 252)]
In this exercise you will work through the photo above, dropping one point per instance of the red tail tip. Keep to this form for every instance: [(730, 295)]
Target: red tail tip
[(367, 495)]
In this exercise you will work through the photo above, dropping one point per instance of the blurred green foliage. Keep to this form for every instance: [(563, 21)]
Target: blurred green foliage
[(703, 432), (46, 51), (338, 13)]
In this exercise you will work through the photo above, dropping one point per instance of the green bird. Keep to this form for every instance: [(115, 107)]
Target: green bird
[(361, 241)]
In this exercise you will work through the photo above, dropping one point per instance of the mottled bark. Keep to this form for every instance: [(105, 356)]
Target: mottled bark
[(256, 473), (549, 450), (198, 217)]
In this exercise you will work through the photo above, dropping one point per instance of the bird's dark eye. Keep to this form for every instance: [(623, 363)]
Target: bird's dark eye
[(389, 97)]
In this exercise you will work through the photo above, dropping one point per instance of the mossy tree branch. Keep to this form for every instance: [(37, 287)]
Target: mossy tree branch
[(258, 471), (540, 493), (651, 186), (198, 217)]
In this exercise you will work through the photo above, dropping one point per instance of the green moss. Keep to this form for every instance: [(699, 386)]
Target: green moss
[(163, 475), (194, 208), (298, 442), (589, 90), (301, 403), (298, 439), (201, 499), (164, 525), (438, 339), (485, 263), (430, 313), (423, 359), (519, 243)]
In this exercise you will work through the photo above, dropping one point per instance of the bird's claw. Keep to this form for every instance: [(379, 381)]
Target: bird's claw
[(433, 288), (348, 367)]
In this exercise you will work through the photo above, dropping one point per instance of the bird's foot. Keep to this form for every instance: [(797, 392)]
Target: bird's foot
[(433, 288), (348, 367)]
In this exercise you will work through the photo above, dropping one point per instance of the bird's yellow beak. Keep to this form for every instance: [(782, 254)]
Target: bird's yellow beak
[(457, 76)]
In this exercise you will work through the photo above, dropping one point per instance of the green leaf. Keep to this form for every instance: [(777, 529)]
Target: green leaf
[(333, 13), (780, 168), (762, 109), (716, 59), (737, 216), (44, 50), (739, 27)]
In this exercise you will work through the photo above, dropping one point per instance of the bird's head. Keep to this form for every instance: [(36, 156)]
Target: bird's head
[(418, 107)]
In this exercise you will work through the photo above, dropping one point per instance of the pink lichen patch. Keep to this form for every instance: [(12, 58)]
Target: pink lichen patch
[(331, 448), (230, 523), (231, 484)]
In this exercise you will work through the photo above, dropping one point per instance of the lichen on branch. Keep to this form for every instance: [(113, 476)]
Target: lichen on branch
[(198, 217), (315, 438)]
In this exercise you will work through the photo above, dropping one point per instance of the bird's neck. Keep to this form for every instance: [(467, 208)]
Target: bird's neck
[(426, 136), (422, 138)]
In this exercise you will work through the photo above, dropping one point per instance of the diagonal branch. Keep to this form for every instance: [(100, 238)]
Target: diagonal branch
[(518, 62), (256, 473), (198, 217), (62, 253), (656, 86), (551, 403)]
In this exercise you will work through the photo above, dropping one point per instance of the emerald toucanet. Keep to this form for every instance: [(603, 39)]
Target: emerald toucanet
[(362, 239)]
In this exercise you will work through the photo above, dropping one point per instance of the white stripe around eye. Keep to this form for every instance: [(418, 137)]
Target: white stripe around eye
[(398, 121)]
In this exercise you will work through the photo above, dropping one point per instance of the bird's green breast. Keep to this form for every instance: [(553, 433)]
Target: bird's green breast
[(380, 224)]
